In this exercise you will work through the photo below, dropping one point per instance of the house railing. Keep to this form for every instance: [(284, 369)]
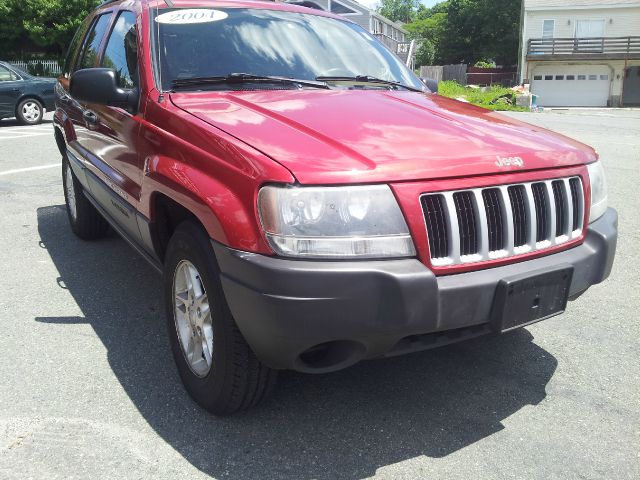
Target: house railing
[(389, 42), (592, 45)]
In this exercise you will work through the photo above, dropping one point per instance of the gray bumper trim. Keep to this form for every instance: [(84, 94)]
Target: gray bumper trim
[(283, 307)]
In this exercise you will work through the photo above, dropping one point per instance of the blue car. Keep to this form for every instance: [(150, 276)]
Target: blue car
[(24, 96)]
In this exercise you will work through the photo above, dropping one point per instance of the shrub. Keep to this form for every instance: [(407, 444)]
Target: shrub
[(485, 64)]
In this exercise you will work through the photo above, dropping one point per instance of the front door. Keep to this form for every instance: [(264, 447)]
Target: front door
[(107, 135), (631, 87)]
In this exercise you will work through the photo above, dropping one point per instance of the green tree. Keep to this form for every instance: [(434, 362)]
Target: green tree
[(47, 25), (399, 10), (469, 30)]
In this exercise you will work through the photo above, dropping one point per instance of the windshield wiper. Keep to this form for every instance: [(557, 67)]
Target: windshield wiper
[(238, 78), (369, 79)]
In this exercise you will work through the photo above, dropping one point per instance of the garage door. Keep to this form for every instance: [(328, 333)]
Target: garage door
[(571, 85)]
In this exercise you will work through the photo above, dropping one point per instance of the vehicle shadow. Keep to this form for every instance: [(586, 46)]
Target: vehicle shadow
[(341, 425), (13, 122)]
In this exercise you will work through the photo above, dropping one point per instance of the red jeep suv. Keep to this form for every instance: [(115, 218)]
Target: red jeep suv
[(307, 200)]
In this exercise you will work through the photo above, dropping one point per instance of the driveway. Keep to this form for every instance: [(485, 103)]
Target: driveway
[(88, 387)]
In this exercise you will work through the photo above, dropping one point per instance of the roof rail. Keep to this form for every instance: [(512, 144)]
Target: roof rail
[(107, 2), (304, 3)]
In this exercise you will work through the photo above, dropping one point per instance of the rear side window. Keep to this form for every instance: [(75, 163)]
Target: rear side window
[(7, 75), (89, 53), (75, 46), (121, 53)]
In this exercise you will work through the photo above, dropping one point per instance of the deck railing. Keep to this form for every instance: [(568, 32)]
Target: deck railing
[(592, 45)]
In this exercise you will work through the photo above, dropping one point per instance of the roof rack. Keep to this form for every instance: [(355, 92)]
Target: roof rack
[(107, 2)]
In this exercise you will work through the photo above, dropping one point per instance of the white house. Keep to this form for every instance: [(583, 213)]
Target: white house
[(581, 52)]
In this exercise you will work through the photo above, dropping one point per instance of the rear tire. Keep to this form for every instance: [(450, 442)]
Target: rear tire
[(29, 112), (86, 222), (223, 376)]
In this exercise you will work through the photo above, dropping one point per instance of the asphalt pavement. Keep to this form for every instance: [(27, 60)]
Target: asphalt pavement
[(88, 388)]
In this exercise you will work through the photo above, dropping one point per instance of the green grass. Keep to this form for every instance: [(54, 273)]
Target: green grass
[(476, 96)]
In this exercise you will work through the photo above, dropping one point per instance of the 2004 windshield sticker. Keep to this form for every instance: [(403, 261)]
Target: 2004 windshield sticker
[(192, 15)]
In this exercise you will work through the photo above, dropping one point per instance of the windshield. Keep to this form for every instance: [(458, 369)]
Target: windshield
[(216, 42)]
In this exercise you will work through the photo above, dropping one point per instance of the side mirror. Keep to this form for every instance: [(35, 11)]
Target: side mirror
[(100, 85), (431, 84)]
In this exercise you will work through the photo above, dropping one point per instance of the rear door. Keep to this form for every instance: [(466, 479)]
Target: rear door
[(10, 90)]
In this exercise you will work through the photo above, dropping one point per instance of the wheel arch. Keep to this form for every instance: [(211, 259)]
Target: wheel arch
[(227, 213)]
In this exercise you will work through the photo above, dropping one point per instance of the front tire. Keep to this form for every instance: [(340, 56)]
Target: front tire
[(217, 366), (86, 222), (29, 112)]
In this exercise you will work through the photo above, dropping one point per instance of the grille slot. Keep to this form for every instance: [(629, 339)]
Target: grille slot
[(519, 209), (561, 206), (467, 222), (487, 223), (435, 216), (495, 222), (542, 217), (577, 203)]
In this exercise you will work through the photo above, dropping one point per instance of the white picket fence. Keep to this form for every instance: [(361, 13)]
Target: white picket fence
[(47, 65)]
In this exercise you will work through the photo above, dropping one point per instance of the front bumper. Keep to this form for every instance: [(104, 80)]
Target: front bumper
[(319, 316)]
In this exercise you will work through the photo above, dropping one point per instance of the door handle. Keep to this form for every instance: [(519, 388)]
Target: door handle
[(90, 116)]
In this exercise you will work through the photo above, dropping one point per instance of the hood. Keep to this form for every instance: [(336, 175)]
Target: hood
[(360, 136)]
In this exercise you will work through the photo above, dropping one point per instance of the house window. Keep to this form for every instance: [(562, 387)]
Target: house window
[(537, 77), (593, 77), (341, 8), (582, 77), (547, 28), (589, 28), (548, 77), (604, 77), (559, 77), (571, 77)]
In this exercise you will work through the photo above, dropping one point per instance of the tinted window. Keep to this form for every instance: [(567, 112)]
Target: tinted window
[(75, 45), (121, 53), (270, 42), (92, 43)]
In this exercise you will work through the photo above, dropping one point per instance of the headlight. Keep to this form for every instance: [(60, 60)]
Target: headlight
[(334, 222), (598, 191)]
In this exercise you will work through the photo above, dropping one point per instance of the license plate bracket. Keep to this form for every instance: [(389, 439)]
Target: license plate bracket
[(528, 298)]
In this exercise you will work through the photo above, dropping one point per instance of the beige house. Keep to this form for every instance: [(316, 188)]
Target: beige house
[(581, 52)]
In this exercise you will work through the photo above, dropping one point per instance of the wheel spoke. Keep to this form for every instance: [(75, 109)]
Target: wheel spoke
[(196, 353), (182, 300), (205, 350), (195, 282)]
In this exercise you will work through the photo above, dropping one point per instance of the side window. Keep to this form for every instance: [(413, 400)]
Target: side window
[(75, 45), (89, 53), (6, 75), (121, 53)]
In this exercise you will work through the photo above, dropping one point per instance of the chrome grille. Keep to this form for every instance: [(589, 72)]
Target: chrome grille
[(501, 221)]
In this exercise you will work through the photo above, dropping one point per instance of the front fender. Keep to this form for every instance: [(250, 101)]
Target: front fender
[(228, 216)]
